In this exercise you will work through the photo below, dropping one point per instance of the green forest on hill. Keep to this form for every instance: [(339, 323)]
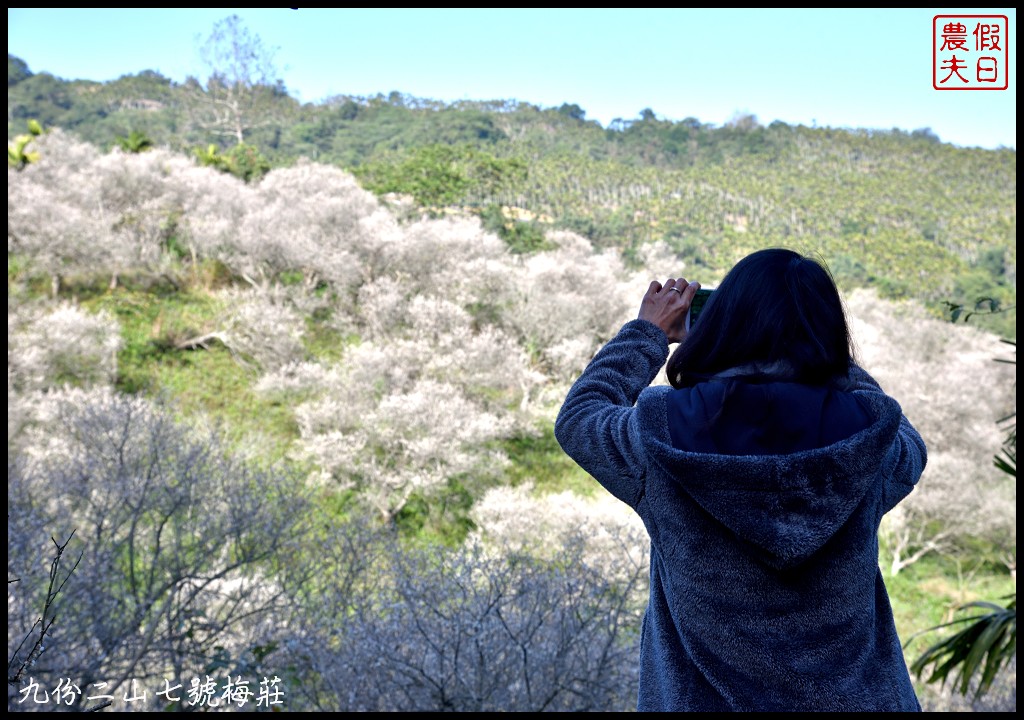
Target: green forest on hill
[(895, 210)]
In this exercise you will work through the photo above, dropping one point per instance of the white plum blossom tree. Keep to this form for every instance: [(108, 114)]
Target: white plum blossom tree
[(262, 324), (178, 541), (519, 519), (947, 381), (51, 345), (390, 435), (463, 630), (308, 218), (570, 294)]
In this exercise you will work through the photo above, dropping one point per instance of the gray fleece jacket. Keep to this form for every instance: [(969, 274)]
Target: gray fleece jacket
[(765, 590)]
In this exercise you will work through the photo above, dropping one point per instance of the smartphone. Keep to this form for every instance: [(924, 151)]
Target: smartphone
[(697, 306)]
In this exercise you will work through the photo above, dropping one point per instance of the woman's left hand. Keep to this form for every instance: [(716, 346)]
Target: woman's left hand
[(667, 305)]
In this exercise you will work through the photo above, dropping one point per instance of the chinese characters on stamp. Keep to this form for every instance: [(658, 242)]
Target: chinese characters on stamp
[(970, 52)]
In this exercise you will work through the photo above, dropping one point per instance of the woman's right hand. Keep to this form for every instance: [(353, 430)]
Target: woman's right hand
[(667, 305)]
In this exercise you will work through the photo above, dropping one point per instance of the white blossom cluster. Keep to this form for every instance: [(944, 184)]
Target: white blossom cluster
[(263, 324), (50, 346), (611, 535)]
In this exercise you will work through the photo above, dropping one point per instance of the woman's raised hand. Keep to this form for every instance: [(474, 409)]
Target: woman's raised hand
[(667, 305)]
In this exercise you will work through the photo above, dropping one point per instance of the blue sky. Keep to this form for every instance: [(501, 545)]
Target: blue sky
[(845, 68)]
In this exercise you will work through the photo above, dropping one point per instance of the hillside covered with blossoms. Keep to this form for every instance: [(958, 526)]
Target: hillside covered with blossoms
[(297, 429)]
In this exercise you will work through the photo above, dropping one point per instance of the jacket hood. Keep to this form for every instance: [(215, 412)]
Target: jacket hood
[(783, 487)]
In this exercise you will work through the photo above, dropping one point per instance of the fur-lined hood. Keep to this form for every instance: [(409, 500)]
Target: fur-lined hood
[(788, 505)]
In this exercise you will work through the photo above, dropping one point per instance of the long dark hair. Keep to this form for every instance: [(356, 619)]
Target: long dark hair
[(775, 308)]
